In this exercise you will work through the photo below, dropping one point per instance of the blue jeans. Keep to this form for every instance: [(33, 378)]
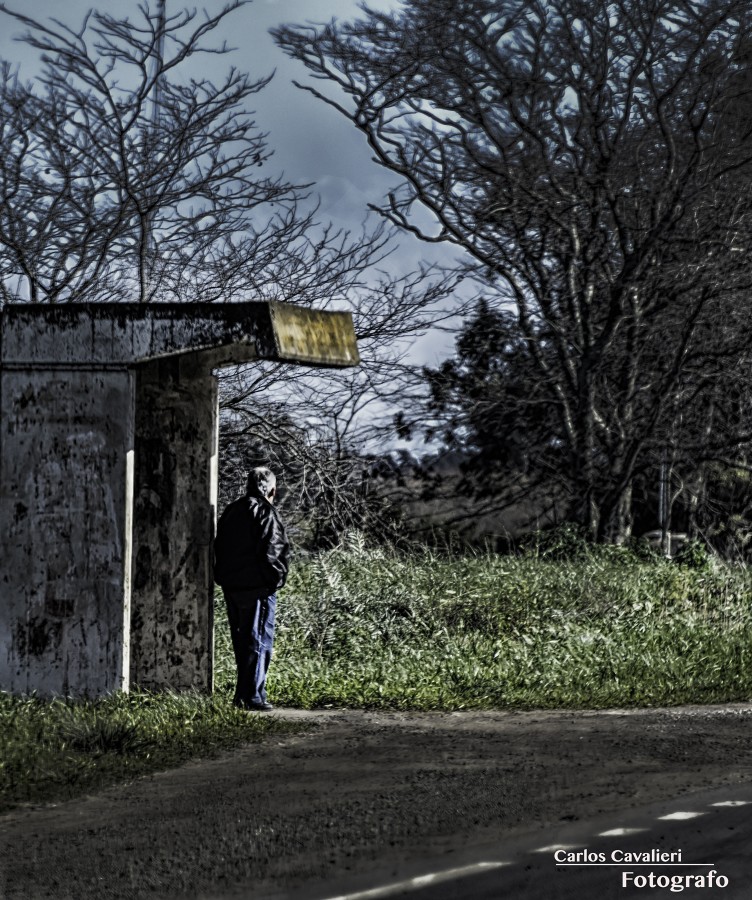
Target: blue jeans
[(252, 631)]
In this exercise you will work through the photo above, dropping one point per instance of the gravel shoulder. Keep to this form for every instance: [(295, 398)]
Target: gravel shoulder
[(358, 791)]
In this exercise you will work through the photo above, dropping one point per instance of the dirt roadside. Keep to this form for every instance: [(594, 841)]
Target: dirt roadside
[(357, 788)]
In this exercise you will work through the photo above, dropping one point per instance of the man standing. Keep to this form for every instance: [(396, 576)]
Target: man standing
[(251, 561)]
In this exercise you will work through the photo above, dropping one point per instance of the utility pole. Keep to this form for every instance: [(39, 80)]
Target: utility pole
[(664, 505)]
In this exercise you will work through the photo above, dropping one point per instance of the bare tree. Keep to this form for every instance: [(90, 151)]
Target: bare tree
[(590, 160), (126, 174), (322, 430)]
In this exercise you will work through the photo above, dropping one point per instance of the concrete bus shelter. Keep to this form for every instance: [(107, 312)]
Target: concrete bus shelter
[(108, 483)]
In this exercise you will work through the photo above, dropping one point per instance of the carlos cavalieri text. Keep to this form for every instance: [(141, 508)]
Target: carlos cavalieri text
[(702, 876), (619, 856)]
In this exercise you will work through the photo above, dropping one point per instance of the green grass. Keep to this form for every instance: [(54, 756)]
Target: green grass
[(360, 627), (54, 750), (370, 628)]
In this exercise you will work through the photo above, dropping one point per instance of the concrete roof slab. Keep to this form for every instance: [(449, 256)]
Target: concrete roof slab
[(124, 334)]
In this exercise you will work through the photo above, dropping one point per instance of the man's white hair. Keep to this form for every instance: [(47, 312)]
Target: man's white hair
[(261, 482)]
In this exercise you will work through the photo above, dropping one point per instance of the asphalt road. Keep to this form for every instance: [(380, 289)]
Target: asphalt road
[(362, 800), (698, 845)]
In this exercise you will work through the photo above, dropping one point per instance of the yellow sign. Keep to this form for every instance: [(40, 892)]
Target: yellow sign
[(314, 336)]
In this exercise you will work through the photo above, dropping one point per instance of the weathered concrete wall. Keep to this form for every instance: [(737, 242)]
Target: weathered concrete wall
[(92, 334), (65, 485), (172, 598)]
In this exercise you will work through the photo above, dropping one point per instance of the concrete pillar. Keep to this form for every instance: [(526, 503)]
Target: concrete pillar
[(175, 499)]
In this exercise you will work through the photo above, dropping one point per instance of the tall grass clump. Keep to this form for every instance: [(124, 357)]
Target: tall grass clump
[(593, 628), (56, 749)]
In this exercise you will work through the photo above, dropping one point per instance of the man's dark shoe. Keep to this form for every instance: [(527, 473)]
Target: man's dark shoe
[(257, 707)]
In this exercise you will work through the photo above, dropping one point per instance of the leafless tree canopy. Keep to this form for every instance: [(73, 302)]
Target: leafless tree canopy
[(591, 159), (126, 173)]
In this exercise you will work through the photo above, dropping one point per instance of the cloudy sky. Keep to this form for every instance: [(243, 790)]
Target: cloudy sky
[(312, 142)]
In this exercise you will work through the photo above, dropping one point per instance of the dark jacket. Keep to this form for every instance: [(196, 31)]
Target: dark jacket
[(251, 549)]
